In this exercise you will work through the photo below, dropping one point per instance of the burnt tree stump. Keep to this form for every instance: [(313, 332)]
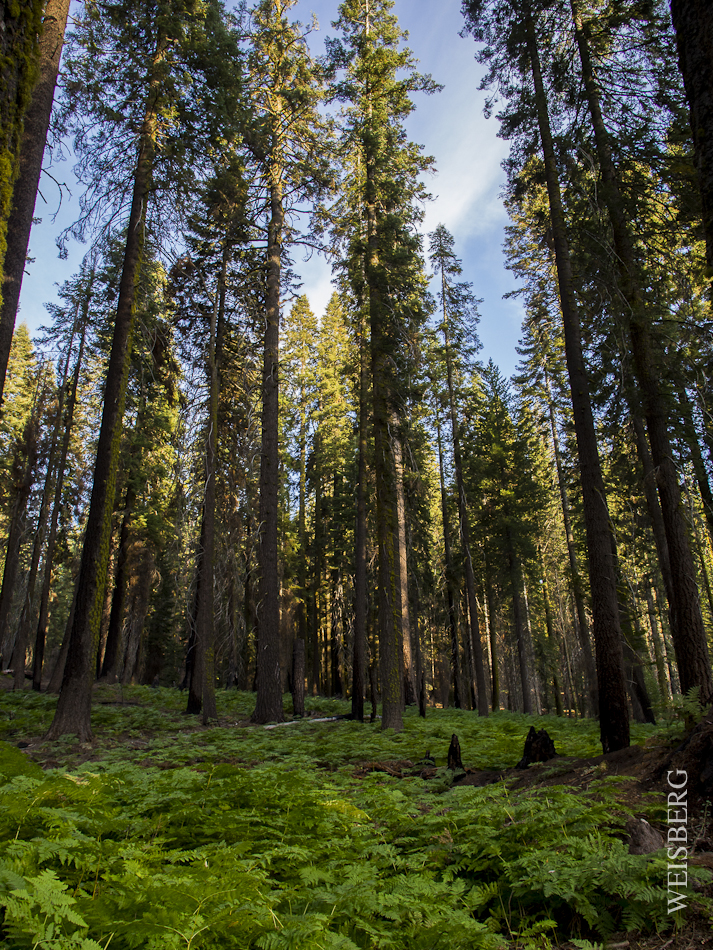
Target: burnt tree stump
[(539, 747), (454, 759)]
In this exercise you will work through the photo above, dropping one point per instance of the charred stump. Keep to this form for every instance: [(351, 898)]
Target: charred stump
[(539, 747), (454, 759)]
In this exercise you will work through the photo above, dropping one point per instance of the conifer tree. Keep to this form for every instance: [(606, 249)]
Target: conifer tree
[(458, 313), (384, 268), (283, 136), (299, 371)]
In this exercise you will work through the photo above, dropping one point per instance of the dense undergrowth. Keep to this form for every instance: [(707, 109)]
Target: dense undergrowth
[(172, 836)]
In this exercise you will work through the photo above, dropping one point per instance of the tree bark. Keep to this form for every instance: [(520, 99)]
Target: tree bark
[(613, 709), (34, 138), (693, 22), (73, 713), (20, 27)]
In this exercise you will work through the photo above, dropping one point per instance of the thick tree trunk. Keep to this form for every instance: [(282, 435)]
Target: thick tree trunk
[(138, 608), (34, 138), (268, 707), (20, 26), (73, 713), (613, 709), (693, 22), (687, 628)]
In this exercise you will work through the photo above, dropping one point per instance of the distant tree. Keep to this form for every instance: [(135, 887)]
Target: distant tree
[(458, 316)]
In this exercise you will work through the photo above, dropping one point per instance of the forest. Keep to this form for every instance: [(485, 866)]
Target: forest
[(219, 505)]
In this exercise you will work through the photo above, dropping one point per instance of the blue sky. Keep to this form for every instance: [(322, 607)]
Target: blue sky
[(451, 127)]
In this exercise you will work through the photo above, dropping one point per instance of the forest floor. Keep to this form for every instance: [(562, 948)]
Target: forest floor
[(163, 833)]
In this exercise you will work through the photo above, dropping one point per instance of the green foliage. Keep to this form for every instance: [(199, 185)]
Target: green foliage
[(267, 838)]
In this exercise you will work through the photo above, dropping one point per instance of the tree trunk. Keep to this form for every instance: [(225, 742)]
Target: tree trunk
[(693, 22), (696, 456), (140, 601), (577, 587), (20, 26), (653, 505), (317, 545), (410, 694), (474, 642), (202, 693), (43, 619), (389, 612), (298, 677), (452, 625), (24, 465), (109, 669), (34, 138), (613, 709), (73, 713), (268, 707), (23, 632), (360, 586), (520, 633), (55, 683)]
